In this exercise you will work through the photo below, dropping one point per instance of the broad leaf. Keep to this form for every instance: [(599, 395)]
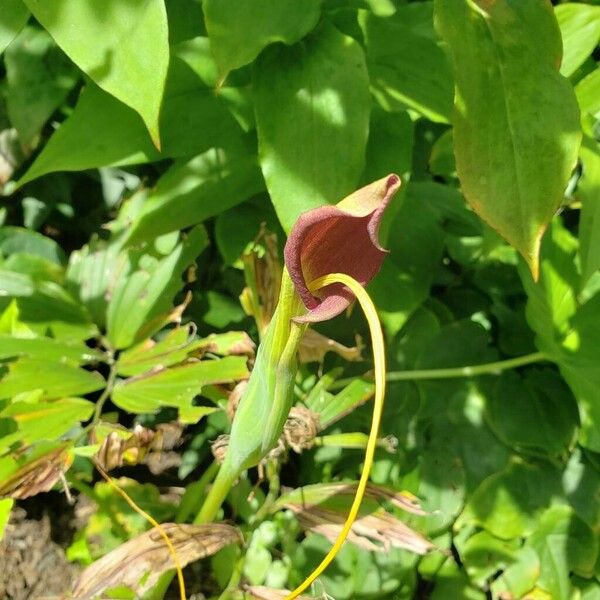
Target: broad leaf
[(191, 192), (13, 17), (240, 29), (124, 47), (55, 379), (580, 30), (142, 297), (312, 107), (102, 131), (177, 387), (407, 69), (39, 77), (516, 123), (20, 240), (588, 93), (46, 348)]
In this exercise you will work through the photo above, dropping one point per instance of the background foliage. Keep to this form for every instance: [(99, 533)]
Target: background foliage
[(143, 144)]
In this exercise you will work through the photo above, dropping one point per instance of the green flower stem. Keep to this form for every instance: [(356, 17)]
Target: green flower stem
[(493, 368), (267, 400), (355, 440)]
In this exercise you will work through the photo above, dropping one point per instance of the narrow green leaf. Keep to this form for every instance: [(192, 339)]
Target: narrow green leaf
[(580, 29), (123, 47), (588, 93), (142, 296), (39, 77), (312, 107), (13, 17), (55, 379), (240, 29), (6, 505), (516, 122), (407, 69), (191, 192), (177, 387)]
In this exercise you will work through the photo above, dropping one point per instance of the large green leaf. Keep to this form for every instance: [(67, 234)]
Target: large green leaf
[(48, 348), (104, 132), (587, 91), (122, 46), (407, 68), (516, 122), (142, 297), (39, 77), (13, 17), (193, 191), (312, 108), (240, 29), (177, 387), (580, 29), (15, 240), (55, 379)]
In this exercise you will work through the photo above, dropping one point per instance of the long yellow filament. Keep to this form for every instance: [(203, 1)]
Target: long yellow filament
[(153, 522), (379, 366)]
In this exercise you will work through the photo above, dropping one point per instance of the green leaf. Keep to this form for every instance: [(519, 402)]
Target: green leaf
[(45, 420), (39, 77), (536, 413), (516, 122), (55, 379), (407, 69), (191, 192), (177, 386), (580, 29), (416, 242), (124, 47), (312, 107), (20, 240), (564, 543), (46, 348), (588, 93), (6, 505), (588, 188), (240, 29), (102, 131), (508, 503), (13, 17), (142, 296)]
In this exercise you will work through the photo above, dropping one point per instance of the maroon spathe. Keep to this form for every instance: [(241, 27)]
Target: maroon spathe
[(338, 239)]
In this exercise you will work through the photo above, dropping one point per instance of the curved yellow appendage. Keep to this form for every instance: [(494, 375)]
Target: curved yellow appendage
[(153, 522), (379, 366)]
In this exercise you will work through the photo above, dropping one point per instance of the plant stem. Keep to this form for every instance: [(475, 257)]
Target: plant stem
[(493, 368), (216, 495)]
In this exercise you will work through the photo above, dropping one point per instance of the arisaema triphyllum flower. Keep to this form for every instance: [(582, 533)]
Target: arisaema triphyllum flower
[(332, 252)]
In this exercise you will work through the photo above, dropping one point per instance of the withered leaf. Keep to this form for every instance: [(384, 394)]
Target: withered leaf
[(138, 563), (314, 346), (38, 475)]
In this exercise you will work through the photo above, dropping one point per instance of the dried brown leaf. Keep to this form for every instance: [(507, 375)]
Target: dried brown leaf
[(37, 476), (139, 562), (314, 346)]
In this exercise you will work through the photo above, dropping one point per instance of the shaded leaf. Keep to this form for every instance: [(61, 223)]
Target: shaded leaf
[(130, 54), (13, 17), (14, 240), (312, 106), (407, 69), (55, 379), (139, 562), (516, 122), (238, 31), (39, 77), (191, 192)]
